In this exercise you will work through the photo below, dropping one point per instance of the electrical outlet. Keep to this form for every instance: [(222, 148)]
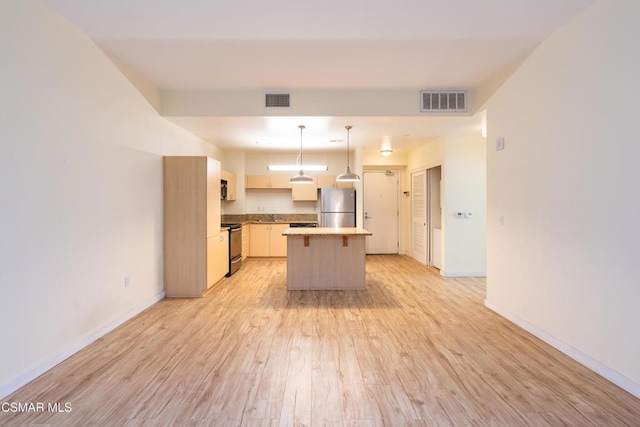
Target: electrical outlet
[(126, 281), (501, 219)]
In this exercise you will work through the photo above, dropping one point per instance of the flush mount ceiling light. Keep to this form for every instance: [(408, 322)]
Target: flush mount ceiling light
[(386, 152), (301, 178), (348, 176)]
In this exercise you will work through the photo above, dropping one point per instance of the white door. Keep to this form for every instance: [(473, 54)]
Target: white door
[(419, 235), (381, 214)]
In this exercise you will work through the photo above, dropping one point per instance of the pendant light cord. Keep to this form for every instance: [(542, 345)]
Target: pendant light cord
[(300, 155), (348, 160)]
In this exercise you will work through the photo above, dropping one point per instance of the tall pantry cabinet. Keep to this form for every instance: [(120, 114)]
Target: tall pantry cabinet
[(195, 250)]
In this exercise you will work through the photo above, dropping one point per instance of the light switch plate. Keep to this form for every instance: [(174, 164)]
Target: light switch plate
[(500, 144)]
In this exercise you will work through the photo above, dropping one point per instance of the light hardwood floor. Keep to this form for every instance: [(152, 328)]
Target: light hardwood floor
[(413, 349)]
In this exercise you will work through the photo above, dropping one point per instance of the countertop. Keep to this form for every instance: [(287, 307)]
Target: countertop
[(326, 231), (280, 222), (253, 221)]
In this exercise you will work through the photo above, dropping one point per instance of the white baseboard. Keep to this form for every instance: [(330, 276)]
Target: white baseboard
[(471, 274), (597, 367), (29, 375)]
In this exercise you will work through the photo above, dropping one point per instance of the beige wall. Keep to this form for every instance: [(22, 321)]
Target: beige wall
[(81, 182), (564, 264)]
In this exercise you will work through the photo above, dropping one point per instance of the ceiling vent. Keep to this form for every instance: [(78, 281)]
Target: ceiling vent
[(443, 101), (277, 100)]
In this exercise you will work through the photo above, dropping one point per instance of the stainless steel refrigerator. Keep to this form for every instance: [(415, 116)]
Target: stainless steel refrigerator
[(337, 207)]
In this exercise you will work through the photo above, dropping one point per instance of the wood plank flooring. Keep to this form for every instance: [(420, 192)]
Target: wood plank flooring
[(414, 349)]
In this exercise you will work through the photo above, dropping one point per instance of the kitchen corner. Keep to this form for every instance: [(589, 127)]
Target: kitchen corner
[(262, 233)]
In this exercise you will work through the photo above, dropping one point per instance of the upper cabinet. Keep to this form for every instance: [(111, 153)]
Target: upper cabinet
[(191, 224), (230, 178), (329, 181), (267, 181), (305, 192), (299, 192)]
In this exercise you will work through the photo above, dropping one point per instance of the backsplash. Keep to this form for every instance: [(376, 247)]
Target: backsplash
[(269, 217)]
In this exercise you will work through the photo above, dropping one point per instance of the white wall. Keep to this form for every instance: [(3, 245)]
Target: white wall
[(304, 102), (81, 184), (234, 161), (463, 162), (464, 177), (564, 264)]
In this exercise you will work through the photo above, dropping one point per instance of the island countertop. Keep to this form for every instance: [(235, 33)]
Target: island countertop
[(326, 231)]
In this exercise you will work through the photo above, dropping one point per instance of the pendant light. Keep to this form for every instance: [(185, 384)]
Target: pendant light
[(348, 176), (301, 178)]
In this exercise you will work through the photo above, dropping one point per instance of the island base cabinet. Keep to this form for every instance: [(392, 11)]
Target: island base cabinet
[(325, 262)]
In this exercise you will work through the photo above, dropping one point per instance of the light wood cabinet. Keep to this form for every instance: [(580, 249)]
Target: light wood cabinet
[(305, 192), (278, 242), (329, 181), (266, 240), (232, 185), (267, 181), (259, 240), (299, 192), (246, 236), (191, 226), (217, 257)]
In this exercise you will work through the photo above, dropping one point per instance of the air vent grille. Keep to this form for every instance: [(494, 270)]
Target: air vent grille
[(277, 100), (443, 100)]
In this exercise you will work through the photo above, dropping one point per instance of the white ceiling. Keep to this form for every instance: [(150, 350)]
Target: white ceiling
[(331, 44)]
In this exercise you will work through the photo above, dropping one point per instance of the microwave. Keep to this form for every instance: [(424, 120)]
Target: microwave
[(223, 189)]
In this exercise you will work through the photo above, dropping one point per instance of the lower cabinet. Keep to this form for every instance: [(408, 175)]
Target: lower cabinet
[(246, 236), (266, 240), (217, 257), (278, 242)]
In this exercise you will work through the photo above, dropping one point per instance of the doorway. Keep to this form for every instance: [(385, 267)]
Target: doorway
[(381, 211), (426, 216)]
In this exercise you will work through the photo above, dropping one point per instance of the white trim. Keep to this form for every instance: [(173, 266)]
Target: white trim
[(429, 166), (615, 377), (29, 375), (459, 274)]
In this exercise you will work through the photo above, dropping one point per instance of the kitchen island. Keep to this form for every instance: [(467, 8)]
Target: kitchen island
[(325, 258)]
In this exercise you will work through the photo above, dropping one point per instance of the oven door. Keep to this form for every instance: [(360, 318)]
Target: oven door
[(235, 242), (235, 250)]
